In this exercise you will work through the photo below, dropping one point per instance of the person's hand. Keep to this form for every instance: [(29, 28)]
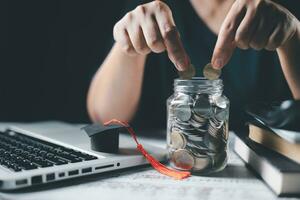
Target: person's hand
[(151, 28), (253, 24)]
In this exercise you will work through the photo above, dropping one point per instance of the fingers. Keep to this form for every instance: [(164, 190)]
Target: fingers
[(257, 41), (246, 29), (122, 38), (225, 44), (265, 28), (152, 35), (138, 40), (275, 39), (175, 49), (256, 24), (171, 38), (282, 33), (150, 27)]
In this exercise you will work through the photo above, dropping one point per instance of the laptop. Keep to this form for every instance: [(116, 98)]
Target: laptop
[(40, 153)]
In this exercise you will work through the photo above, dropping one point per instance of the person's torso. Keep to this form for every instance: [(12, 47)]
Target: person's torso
[(250, 76)]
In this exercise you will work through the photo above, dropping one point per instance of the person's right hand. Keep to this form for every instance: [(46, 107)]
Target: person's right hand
[(151, 28)]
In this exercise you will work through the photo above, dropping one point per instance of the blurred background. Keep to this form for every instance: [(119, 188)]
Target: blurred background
[(52, 48), (51, 51)]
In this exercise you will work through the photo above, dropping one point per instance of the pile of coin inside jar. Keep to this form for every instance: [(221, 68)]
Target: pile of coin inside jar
[(198, 131)]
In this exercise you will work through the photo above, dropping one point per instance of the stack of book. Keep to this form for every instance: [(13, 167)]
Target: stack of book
[(274, 154)]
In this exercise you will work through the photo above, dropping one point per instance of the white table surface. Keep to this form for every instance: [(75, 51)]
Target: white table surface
[(236, 182)]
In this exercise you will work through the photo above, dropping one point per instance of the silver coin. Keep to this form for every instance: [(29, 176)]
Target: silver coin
[(182, 98), (214, 127), (212, 143), (221, 114), (202, 158), (212, 131), (198, 138), (183, 112), (170, 153), (198, 120), (180, 122), (184, 126), (201, 130), (174, 129), (178, 140), (197, 147), (198, 131), (201, 163), (195, 123), (183, 159), (202, 106), (193, 136), (189, 73), (210, 73), (221, 102), (214, 122), (219, 160)]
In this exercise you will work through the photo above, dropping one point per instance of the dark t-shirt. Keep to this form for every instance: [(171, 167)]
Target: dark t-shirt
[(53, 48), (250, 75)]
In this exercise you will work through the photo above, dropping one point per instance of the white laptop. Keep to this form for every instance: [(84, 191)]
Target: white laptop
[(39, 153)]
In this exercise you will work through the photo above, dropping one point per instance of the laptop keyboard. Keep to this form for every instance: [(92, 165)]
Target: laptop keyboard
[(21, 152)]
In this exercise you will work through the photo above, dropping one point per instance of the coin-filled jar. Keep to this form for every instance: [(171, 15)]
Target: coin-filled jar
[(197, 129)]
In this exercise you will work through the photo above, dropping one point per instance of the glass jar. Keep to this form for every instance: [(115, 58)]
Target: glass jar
[(197, 125)]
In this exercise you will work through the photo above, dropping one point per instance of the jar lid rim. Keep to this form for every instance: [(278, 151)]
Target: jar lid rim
[(198, 84), (199, 80)]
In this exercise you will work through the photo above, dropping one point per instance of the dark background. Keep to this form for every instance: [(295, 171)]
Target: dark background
[(51, 51)]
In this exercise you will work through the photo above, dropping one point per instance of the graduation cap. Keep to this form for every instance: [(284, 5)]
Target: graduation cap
[(104, 138)]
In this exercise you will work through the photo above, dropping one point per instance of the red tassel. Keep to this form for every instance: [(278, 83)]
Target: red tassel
[(155, 163)]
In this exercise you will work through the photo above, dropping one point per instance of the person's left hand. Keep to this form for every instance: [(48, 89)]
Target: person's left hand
[(253, 24)]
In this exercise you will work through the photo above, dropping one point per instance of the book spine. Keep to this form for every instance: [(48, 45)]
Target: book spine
[(269, 174)]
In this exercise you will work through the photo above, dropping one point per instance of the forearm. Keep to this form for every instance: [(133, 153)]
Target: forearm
[(289, 56), (116, 87)]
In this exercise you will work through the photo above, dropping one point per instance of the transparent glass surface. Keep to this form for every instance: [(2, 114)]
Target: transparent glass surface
[(197, 126)]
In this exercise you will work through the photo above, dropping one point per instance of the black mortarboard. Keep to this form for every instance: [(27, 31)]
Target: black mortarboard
[(104, 138)]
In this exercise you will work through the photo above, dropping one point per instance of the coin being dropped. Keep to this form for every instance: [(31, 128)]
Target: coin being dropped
[(210, 73), (178, 141), (183, 159), (189, 73)]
